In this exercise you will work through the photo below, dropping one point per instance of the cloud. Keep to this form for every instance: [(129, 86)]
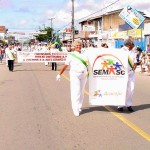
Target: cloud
[(23, 10), (23, 22), (5, 3), (36, 12)]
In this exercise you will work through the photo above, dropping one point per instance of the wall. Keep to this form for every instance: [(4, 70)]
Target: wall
[(108, 21)]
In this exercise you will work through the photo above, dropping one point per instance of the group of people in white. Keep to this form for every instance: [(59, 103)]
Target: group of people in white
[(78, 75), (77, 60)]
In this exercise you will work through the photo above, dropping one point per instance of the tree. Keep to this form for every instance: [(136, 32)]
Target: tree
[(44, 37)]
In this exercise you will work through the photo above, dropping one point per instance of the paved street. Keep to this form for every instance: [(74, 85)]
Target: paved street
[(35, 114)]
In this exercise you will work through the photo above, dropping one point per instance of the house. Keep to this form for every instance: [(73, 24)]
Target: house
[(111, 28)]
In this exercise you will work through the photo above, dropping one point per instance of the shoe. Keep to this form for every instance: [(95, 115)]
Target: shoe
[(120, 109), (130, 109), (76, 114), (80, 110)]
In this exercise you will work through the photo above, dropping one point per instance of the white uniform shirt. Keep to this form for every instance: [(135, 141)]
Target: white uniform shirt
[(75, 64), (132, 54), (9, 55)]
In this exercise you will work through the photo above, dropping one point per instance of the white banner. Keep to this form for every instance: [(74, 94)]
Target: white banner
[(28, 57), (108, 76)]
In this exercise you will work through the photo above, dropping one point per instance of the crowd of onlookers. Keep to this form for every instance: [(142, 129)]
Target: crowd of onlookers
[(144, 60)]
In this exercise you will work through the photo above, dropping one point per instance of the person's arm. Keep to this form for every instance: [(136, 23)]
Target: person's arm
[(135, 62), (134, 66), (60, 72), (63, 69)]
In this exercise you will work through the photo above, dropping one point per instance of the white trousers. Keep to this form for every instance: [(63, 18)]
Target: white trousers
[(77, 85), (130, 89)]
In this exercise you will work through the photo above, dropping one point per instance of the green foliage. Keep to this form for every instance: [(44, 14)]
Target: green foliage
[(43, 37)]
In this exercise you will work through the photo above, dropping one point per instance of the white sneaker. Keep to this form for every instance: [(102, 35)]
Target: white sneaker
[(76, 114), (80, 110)]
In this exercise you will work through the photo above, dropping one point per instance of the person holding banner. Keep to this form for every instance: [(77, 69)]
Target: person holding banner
[(132, 61), (78, 76), (54, 50)]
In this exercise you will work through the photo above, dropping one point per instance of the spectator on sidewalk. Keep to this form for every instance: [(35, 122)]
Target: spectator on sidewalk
[(1, 54), (143, 62), (148, 62), (148, 48)]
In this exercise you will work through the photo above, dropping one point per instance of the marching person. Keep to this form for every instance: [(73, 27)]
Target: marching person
[(10, 57), (78, 76), (131, 74), (45, 50), (54, 50)]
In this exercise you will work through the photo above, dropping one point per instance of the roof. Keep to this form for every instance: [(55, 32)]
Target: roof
[(109, 13)]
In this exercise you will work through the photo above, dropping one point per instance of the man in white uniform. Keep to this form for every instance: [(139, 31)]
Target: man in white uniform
[(53, 49), (45, 50), (10, 57), (78, 76), (131, 74)]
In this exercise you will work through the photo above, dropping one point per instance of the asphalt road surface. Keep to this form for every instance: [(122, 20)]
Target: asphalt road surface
[(36, 114)]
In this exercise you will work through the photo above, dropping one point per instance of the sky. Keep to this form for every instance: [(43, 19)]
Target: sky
[(29, 15)]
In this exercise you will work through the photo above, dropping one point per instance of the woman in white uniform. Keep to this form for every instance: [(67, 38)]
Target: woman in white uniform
[(78, 76)]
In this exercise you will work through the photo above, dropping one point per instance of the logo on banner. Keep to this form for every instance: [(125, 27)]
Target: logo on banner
[(97, 93), (100, 94), (108, 65)]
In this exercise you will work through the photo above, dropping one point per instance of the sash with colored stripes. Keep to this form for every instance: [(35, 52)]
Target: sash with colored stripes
[(83, 61), (130, 62)]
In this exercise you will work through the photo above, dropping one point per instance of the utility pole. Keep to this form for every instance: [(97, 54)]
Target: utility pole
[(51, 19), (72, 27)]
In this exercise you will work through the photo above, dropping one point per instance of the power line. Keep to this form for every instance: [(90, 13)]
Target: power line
[(99, 10), (92, 13), (65, 26)]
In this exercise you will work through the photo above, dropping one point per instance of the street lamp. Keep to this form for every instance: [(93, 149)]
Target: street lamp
[(51, 19)]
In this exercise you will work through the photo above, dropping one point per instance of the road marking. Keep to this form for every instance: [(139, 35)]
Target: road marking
[(123, 119)]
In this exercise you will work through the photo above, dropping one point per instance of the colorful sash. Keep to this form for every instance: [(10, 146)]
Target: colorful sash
[(83, 61), (130, 62)]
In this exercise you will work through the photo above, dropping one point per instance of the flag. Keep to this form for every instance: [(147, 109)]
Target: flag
[(55, 40)]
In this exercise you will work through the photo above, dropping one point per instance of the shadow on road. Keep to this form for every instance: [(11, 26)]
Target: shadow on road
[(114, 109), (141, 107), (91, 109)]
